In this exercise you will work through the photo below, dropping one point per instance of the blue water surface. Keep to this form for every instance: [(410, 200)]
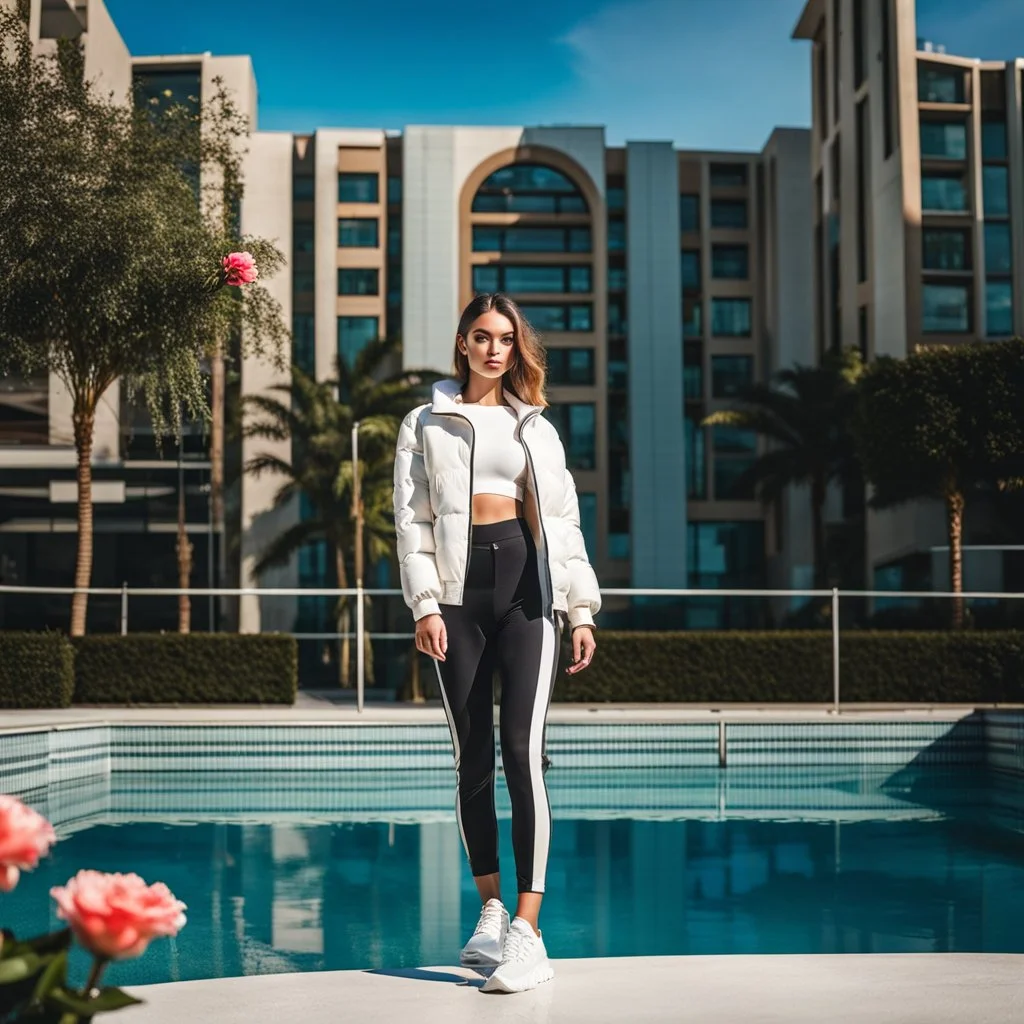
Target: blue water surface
[(326, 871)]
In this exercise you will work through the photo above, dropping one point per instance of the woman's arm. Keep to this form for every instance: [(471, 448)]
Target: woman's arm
[(584, 593), (414, 522)]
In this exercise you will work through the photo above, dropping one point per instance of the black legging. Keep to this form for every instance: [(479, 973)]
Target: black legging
[(500, 625)]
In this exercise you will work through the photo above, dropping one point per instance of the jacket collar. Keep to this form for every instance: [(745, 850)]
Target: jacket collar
[(447, 397)]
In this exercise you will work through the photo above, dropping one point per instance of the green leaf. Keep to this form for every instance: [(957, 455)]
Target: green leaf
[(55, 973), (18, 968), (107, 999), (48, 942)]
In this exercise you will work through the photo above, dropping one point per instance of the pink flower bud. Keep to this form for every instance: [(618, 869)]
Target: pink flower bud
[(25, 836), (240, 268)]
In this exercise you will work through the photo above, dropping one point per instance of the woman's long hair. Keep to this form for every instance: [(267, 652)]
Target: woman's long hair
[(525, 377)]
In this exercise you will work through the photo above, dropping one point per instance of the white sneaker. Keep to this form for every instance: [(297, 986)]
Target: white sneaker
[(524, 962), (485, 946)]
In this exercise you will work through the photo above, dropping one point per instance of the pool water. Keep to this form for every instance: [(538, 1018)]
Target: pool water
[(285, 874)]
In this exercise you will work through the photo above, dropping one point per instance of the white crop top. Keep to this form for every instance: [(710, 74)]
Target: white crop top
[(499, 460)]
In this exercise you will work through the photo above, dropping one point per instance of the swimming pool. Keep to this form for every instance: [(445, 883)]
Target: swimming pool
[(324, 870)]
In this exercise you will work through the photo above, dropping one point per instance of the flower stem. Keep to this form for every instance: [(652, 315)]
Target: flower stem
[(94, 976)]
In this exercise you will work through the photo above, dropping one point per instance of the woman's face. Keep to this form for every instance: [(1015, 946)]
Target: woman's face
[(490, 345)]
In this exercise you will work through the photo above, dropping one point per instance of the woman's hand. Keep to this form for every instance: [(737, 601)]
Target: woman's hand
[(583, 647), (431, 636)]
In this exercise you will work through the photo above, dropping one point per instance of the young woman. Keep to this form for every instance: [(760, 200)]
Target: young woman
[(493, 562)]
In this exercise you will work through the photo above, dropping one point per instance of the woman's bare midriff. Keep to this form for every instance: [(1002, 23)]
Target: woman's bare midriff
[(495, 508)]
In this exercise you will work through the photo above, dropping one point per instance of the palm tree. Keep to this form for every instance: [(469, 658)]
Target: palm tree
[(805, 415), (317, 416)]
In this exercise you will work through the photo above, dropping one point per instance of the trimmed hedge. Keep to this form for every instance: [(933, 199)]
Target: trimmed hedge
[(194, 668), (37, 670), (796, 667)]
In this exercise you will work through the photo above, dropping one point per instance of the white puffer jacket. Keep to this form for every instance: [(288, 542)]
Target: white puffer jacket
[(433, 508)]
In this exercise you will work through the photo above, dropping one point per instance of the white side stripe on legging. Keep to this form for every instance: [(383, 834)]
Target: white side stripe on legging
[(458, 754), (542, 813)]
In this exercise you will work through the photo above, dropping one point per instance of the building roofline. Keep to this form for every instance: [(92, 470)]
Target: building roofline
[(809, 20)]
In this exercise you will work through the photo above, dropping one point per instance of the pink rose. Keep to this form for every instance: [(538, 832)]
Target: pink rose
[(25, 836), (116, 916), (240, 268)]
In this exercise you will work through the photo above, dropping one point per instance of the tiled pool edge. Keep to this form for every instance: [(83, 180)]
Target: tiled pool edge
[(41, 756)]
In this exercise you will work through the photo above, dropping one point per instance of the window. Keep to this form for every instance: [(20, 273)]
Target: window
[(694, 459), (725, 554), (731, 480), (528, 188), (575, 425), (616, 234), (730, 375), (731, 440), (693, 373), (730, 261), (998, 309), (947, 309), (616, 279), (946, 140), (728, 175), (358, 281), (689, 213), (303, 188), (998, 248), (616, 317), (517, 278), (691, 269), (863, 172), (358, 233), (728, 213), (993, 140), (885, 58), (616, 199), (302, 280), (394, 189), (531, 239), (946, 249), (302, 236), (354, 334), (691, 317), (357, 188), (559, 318), (730, 317), (943, 192), (588, 521), (394, 240), (995, 190), (570, 367), (303, 343), (939, 84)]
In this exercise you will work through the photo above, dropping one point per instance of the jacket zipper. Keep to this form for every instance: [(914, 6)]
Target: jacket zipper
[(549, 599), (469, 528)]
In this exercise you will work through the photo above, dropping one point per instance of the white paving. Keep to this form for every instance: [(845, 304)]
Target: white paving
[(911, 988)]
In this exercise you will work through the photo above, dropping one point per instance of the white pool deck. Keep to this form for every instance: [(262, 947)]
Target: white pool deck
[(831, 989)]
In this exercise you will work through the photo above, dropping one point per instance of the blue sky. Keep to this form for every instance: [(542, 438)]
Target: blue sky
[(708, 74)]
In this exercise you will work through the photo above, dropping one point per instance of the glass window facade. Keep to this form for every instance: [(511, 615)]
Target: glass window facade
[(528, 188), (730, 262), (304, 343), (575, 424), (616, 279), (730, 318), (516, 279), (733, 440), (615, 197), (394, 189), (946, 140), (570, 367), (358, 233), (530, 239), (728, 175), (302, 236), (691, 317), (302, 281), (998, 309), (725, 554), (998, 248), (993, 140), (616, 234), (358, 281), (995, 190), (559, 317), (696, 468), (729, 213), (691, 269), (358, 188), (946, 309), (689, 212), (943, 192), (731, 480), (939, 84), (946, 249), (730, 375), (354, 334), (588, 521), (693, 375), (303, 187), (486, 279)]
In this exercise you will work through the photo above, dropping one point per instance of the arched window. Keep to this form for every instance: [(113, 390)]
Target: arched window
[(529, 188)]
